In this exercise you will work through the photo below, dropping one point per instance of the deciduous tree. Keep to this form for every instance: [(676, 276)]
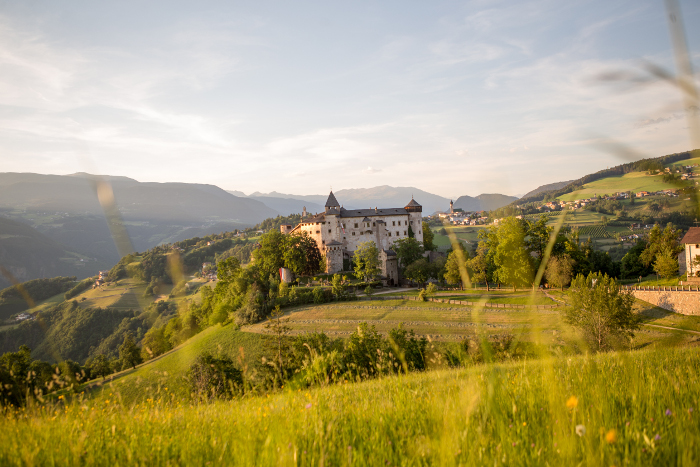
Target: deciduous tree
[(603, 311), (559, 270), (366, 260), (428, 237), (407, 251), (129, 353), (513, 263)]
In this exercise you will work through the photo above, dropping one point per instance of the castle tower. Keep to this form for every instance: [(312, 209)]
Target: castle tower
[(332, 204), (334, 257)]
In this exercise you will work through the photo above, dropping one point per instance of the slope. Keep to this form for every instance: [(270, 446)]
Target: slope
[(28, 254), (634, 182)]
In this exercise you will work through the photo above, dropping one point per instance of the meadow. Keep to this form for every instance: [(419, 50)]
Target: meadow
[(630, 408)]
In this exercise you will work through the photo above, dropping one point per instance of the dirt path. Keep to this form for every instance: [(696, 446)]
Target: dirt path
[(671, 328)]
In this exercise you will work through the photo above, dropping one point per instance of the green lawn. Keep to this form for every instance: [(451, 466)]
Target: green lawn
[(631, 408)]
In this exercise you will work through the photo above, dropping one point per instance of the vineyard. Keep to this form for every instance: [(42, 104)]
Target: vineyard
[(535, 217), (595, 231)]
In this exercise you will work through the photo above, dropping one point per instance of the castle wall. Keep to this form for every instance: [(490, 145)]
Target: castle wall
[(355, 231), (684, 302)]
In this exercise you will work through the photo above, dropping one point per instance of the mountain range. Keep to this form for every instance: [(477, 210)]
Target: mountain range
[(383, 197)]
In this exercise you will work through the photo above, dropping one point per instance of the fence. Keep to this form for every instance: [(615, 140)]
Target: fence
[(672, 288), (461, 302)]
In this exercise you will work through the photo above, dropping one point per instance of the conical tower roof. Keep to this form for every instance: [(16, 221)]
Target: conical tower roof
[(332, 202), (412, 204)]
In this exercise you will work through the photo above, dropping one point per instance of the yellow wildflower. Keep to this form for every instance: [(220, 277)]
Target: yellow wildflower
[(572, 402), (611, 436)]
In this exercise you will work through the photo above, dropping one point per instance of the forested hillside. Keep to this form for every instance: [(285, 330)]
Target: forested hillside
[(28, 254)]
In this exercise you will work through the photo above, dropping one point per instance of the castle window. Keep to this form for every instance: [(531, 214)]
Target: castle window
[(353, 233), (318, 232), (393, 223), (390, 234), (329, 230), (397, 234), (374, 224), (404, 232), (355, 225)]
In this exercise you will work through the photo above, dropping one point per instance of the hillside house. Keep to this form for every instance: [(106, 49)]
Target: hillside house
[(691, 242)]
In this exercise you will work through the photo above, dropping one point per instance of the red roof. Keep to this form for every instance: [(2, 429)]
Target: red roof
[(692, 236)]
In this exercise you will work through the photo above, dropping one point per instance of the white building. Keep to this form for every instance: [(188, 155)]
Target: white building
[(339, 231)]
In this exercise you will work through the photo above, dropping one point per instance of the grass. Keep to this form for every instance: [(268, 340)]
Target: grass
[(167, 371), (126, 294), (638, 408)]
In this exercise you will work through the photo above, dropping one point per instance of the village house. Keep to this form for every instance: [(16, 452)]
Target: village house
[(691, 242)]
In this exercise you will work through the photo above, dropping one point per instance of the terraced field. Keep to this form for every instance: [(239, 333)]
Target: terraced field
[(443, 322)]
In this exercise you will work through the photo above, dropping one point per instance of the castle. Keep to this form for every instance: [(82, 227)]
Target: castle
[(339, 231)]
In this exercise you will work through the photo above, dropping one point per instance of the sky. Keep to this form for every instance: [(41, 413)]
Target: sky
[(454, 98)]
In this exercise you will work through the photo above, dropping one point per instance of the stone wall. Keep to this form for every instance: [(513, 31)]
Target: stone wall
[(679, 301)]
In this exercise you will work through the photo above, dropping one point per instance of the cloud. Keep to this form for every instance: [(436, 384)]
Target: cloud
[(371, 170)]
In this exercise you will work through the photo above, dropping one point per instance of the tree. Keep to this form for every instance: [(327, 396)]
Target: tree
[(559, 270), (428, 237), (407, 250), (100, 366), (270, 256), (214, 377), (154, 343), (129, 353), (418, 271), (337, 285), (666, 264), (667, 241), (631, 265), (604, 221), (513, 263), (366, 261), (14, 376), (599, 307), (301, 254), (481, 265), (456, 264), (227, 270)]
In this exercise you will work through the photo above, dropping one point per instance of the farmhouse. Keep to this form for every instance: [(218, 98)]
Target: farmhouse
[(691, 241), (339, 231)]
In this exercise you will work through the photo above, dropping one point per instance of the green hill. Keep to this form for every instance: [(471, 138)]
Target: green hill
[(634, 182), (617, 174)]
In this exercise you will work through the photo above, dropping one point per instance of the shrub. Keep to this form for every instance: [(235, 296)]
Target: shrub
[(214, 377)]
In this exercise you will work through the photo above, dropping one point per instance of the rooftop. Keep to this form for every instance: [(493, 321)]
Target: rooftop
[(692, 236)]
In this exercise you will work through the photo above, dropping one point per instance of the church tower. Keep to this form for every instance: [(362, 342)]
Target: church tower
[(452, 211)]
